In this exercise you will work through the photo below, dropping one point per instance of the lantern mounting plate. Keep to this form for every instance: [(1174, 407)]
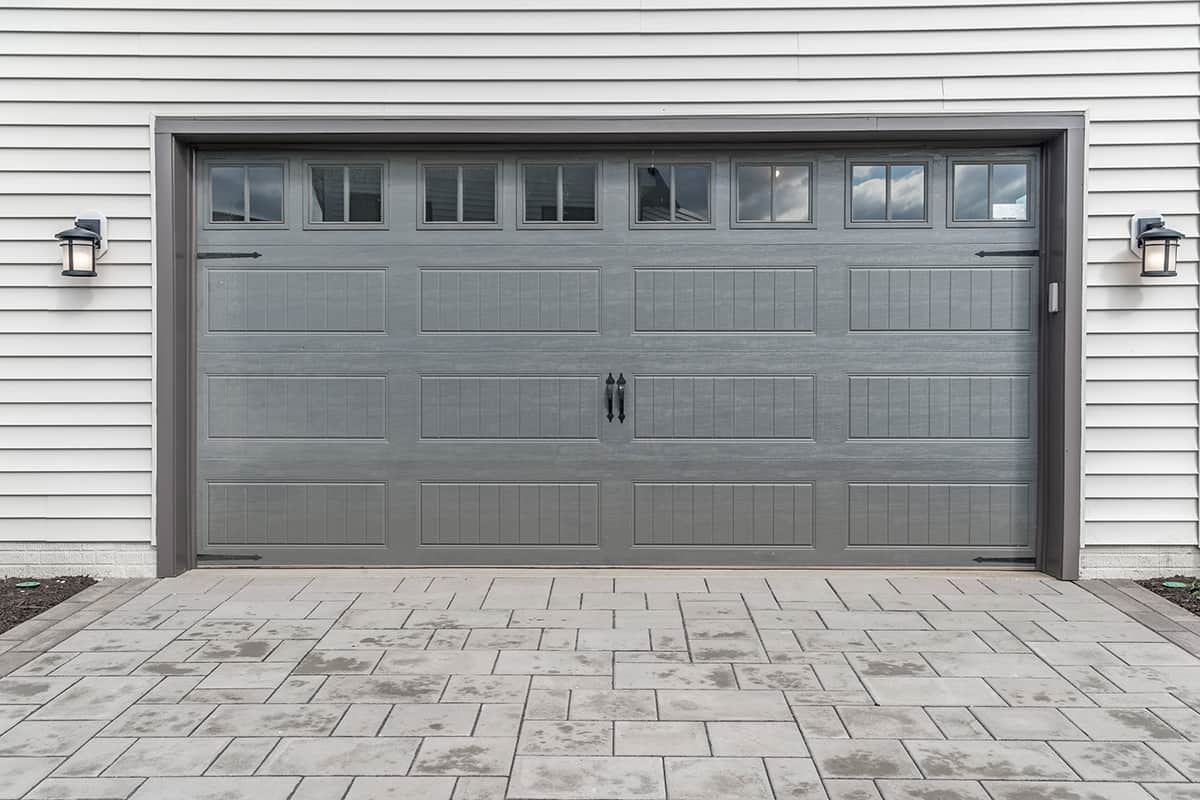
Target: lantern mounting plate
[(97, 223), (1139, 223)]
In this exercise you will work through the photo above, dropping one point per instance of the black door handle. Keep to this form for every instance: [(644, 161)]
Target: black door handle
[(621, 397), (608, 395)]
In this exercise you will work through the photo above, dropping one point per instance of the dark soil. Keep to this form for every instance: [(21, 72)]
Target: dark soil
[(1180, 597), (18, 605)]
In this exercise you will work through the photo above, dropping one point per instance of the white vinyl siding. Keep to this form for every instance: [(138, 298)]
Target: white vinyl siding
[(81, 79)]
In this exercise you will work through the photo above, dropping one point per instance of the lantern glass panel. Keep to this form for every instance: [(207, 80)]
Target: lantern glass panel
[(78, 255), (1159, 256)]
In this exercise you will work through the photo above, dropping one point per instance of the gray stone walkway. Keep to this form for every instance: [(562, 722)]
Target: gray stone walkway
[(613, 685)]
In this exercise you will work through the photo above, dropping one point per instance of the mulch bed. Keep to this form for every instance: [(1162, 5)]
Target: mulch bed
[(18, 605), (1180, 597)]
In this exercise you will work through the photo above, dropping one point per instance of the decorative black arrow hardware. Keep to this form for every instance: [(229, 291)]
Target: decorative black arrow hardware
[(608, 395), (229, 255), (1007, 560), (986, 253)]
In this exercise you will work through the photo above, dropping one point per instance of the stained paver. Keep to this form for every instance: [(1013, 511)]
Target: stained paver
[(643, 685)]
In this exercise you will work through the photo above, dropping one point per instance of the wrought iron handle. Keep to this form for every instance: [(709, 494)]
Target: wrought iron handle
[(621, 397), (608, 395)]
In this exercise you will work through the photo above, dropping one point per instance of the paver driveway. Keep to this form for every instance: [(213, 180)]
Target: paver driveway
[(689, 685)]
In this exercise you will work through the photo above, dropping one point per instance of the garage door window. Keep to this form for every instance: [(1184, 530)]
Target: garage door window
[(990, 192), (460, 194), (345, 194), (559, 195), (889, 194), (246, 193), (672, 194), (773, 194)]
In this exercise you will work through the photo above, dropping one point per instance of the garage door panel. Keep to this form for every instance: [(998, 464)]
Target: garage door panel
[(543, 514), (723, 514), (939, 514), (296, 301), (287, 514), (697, 299), (494, 300), (510, 407), (903, 299), (939, 406), (723, 406), (297, 406)]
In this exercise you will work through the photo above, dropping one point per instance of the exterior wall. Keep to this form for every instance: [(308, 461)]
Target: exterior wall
[(100, 559), (80, 81)]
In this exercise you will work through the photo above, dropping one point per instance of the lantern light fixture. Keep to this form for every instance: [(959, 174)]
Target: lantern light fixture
[(1155, 243), (83, 244)]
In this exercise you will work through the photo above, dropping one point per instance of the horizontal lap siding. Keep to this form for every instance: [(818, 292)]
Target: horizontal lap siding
[(79, 80)]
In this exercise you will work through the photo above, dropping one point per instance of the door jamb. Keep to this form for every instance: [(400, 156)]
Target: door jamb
[(1061, 135)]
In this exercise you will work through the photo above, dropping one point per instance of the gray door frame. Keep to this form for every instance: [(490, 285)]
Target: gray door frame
[(1061, 136)]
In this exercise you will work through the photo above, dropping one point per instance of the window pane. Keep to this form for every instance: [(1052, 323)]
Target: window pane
[(266, 193), (907, 196), (328, 194), (970, 191), (479, 194), (541, 193), (691, 194), (579, 193), (1010, 191), (441, 194), (654, 194), (228, 194), (754, 193), (868, 193), (791, 195), (366, 194)]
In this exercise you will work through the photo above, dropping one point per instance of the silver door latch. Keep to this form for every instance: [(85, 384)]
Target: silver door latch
[(1052, 297)]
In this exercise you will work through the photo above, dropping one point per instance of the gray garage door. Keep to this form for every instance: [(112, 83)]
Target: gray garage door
[(404, 357)]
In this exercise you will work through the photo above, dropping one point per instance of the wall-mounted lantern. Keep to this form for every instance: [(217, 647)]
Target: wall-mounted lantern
[(1157, 244), (83, 244)]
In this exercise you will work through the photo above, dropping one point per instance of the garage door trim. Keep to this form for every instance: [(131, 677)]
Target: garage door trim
[(1061, 137)]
